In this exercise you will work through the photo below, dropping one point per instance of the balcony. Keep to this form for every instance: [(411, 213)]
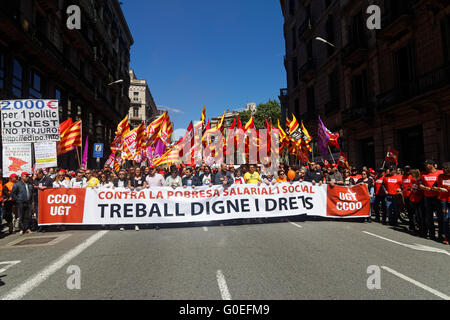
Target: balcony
[(398, 17), (355, 52), (364, 112), (435, 79), (397, 95), (306, 72), (305, 30), (332, 107)]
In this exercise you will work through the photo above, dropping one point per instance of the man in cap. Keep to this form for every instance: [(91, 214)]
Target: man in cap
[(335, 177), (22, 193)]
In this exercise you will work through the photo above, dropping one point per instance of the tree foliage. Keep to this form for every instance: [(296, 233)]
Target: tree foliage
[(270, 111)]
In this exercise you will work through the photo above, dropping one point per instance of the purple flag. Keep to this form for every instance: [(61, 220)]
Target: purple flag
[(85, 154), (156, 150), (322, 138)]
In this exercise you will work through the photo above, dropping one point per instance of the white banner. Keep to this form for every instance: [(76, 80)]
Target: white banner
[(166, 205), (45, 155), (29, 121), (16, 158)]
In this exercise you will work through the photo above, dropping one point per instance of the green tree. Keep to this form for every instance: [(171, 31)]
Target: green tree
[(270, 111)]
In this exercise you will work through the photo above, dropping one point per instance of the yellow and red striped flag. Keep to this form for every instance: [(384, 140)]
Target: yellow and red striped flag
[(70, 139)]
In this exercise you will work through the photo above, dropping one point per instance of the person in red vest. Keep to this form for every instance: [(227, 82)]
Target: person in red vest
[(380, 196), (406, 183), (442, 185), (393, 186), (431, 202), (416, 197)]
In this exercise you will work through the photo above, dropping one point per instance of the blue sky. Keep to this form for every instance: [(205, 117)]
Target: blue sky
[(221, 54)]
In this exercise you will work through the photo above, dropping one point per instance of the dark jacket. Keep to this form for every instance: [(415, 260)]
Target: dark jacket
[(219, 177), (125, 183), (19, 192), (314, 175), (196, 181)]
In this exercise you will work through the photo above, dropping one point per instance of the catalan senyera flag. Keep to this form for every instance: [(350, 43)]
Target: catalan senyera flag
[(306, 137), (203, 115), (152, 131), (70, 139), (140, 138), (250, 124), (123, 127), (220, 123)]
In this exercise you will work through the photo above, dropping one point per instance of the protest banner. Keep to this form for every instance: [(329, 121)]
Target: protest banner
[(16, 158), (26, 121), (45, 155), (167, 205)]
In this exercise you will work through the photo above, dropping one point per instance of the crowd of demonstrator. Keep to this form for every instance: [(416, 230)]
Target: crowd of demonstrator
[(423, 195)]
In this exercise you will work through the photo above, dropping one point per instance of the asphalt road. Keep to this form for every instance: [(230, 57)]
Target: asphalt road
[(276, 261)]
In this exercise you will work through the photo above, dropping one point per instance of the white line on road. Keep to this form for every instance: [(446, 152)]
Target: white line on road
[(416, 246), (205, 229), (297, 225), (223, 286), (9, 264), (417, 283), (34, 281)]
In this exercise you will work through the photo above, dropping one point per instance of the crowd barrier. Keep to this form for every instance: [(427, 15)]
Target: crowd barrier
[(160, 205)]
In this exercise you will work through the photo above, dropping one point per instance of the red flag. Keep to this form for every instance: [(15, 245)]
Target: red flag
[(239, 123), (326, 163), (343, 161), (233, 124), (391, 156)]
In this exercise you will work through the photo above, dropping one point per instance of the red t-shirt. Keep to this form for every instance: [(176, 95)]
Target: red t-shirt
[(428, 180), (392, 183), (416, 194), (443, 181), (378, 183), (406, 181)]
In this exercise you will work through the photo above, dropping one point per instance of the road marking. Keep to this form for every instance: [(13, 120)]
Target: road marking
[(205, 229), (223, 286), (419, 247), (297, 225), (417, 283), (8, 264), (35, 280)]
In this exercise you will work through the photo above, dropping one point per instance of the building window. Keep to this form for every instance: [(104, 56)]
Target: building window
[(333, 91), (359, 90), (17, 79), (295, 71), (330, 34), (136, 112), (445, 28), (79, 113), (310, 100), (136, 96), (405, 68), (35, 85), (2, 71), (291, 7)]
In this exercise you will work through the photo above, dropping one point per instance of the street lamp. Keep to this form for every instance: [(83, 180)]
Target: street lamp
[(118, 81), (324, 41)]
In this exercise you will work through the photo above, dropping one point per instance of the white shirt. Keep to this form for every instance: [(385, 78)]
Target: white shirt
[(105, 184), (61, 184), (77, 184)]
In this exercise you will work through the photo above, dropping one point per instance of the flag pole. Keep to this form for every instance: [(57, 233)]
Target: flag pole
[(329, 149)]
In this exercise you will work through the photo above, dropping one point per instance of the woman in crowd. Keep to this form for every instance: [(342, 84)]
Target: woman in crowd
[(238, 178), (174, 180), (137, 181), (281, 176), (348, 181), (206, 176), (61, 181), (105, 182)]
